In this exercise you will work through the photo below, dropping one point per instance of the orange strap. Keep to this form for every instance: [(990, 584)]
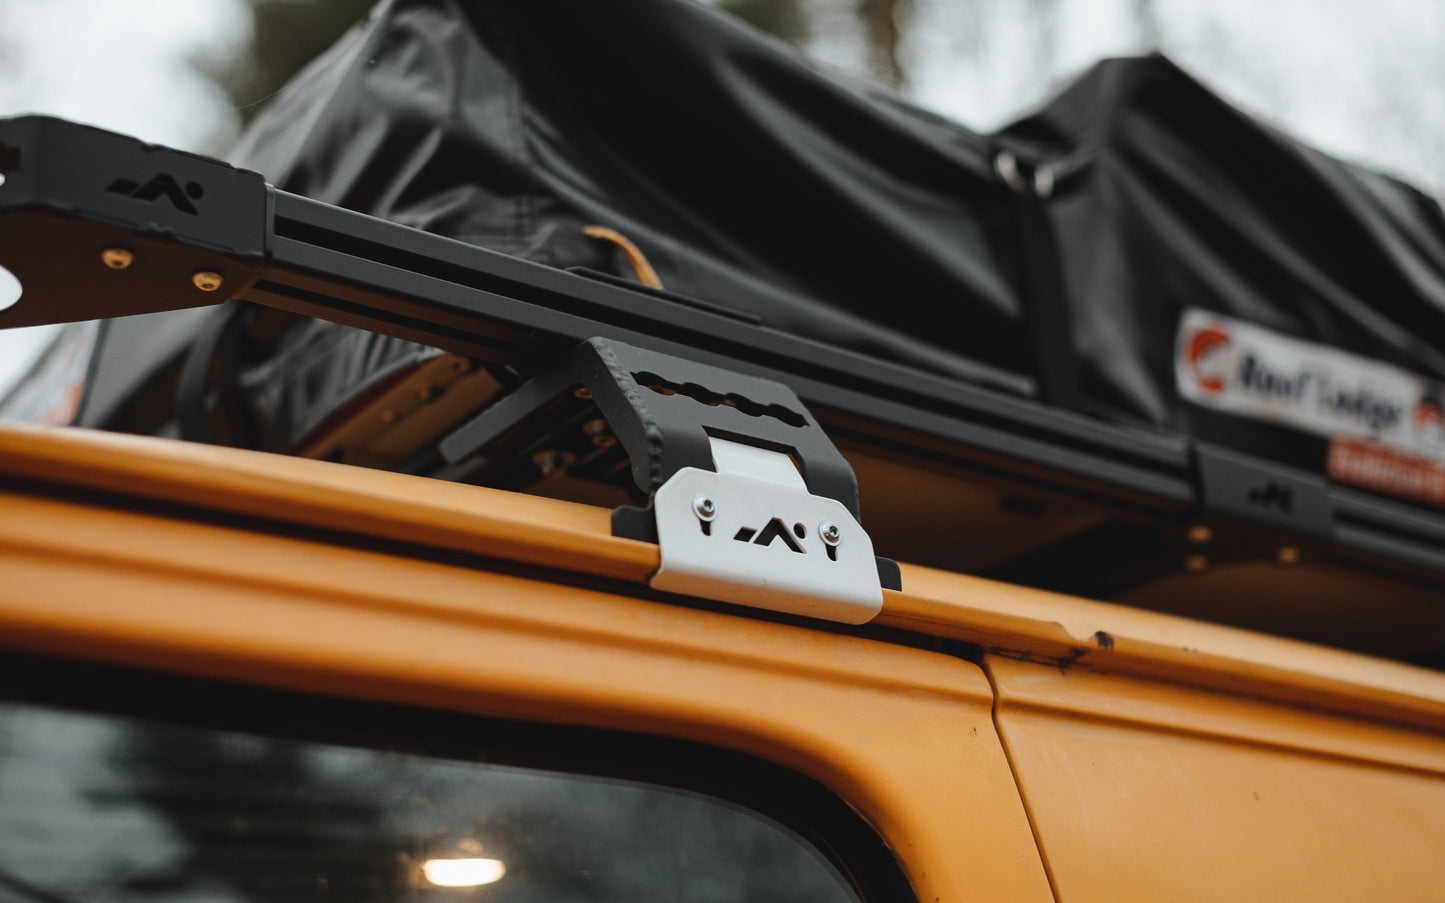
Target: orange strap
[(645, 273)]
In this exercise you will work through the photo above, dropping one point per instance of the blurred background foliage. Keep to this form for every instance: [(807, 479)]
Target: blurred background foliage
[(285, 34)]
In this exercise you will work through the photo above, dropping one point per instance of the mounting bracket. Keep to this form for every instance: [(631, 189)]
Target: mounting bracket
[(749, 500)]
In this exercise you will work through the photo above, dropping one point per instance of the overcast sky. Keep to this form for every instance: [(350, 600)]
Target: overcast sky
[(120, 65), (1362, 80)]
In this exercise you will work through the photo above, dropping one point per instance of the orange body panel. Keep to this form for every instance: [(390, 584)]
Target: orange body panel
[(1064, 632), (1179, 794), (1117, 753), (905, 735)]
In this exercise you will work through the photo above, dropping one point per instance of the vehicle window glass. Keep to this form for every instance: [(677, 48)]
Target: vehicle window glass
[(101, 807)]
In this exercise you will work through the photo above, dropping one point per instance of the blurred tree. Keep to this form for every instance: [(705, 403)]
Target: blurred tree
[(787, 19), (882, 22), (285, 36)]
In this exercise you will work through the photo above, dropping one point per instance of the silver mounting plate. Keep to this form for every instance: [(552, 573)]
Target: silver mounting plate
[(750, 533)]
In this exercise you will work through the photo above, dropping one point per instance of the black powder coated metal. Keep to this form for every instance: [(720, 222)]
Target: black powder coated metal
[(664, 410), (362, 271), (71, 192), (323, 261)]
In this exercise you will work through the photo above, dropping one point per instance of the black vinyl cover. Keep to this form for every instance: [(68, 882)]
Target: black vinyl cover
[(1061, 249)]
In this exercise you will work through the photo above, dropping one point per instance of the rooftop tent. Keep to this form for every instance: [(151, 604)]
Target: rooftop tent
[(754, 181), (1165, 198), (749, 179)]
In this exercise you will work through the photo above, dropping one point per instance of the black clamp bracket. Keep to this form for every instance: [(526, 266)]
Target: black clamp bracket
[(747, 497)]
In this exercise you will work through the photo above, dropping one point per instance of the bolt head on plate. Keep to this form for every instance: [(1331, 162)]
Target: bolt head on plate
[(704, 507), (830, 533)]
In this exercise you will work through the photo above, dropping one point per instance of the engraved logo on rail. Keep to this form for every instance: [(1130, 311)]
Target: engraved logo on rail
[(161, 185), (1271, 495)]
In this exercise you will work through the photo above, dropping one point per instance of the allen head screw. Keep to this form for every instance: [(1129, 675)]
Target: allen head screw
[(117, 258), (206, 280), (554, 463)]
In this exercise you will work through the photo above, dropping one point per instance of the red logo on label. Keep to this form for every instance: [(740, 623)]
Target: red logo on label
[(1205, 358), (1428, 412)]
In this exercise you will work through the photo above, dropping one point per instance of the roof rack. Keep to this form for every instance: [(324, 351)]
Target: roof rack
[(100, 225)]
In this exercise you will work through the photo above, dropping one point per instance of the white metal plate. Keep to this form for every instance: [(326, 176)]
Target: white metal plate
[(763, 547)]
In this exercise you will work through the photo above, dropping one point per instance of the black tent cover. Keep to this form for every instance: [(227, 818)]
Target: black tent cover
[(1053, 258)]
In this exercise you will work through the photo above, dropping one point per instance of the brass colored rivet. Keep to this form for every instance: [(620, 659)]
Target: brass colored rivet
[(582, 392), (117, 258), (601, 436), (553, 463), (207, 280), (1288, 555), (388, 415), (1200, 534), (1196, 563)]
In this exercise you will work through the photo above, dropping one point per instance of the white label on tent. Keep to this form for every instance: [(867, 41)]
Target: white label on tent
[(1243, 369)]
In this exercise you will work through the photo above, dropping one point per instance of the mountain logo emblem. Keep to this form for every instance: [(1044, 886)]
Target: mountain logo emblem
[(161, 186), (775, 529)]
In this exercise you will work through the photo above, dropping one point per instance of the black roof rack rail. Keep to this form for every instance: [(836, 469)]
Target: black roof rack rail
[(98, 225)]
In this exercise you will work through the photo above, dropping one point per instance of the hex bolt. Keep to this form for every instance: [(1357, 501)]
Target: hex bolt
[(117, 258), (553, 463), (705, 508), (830, 533), (206, 280), (599, 432)]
